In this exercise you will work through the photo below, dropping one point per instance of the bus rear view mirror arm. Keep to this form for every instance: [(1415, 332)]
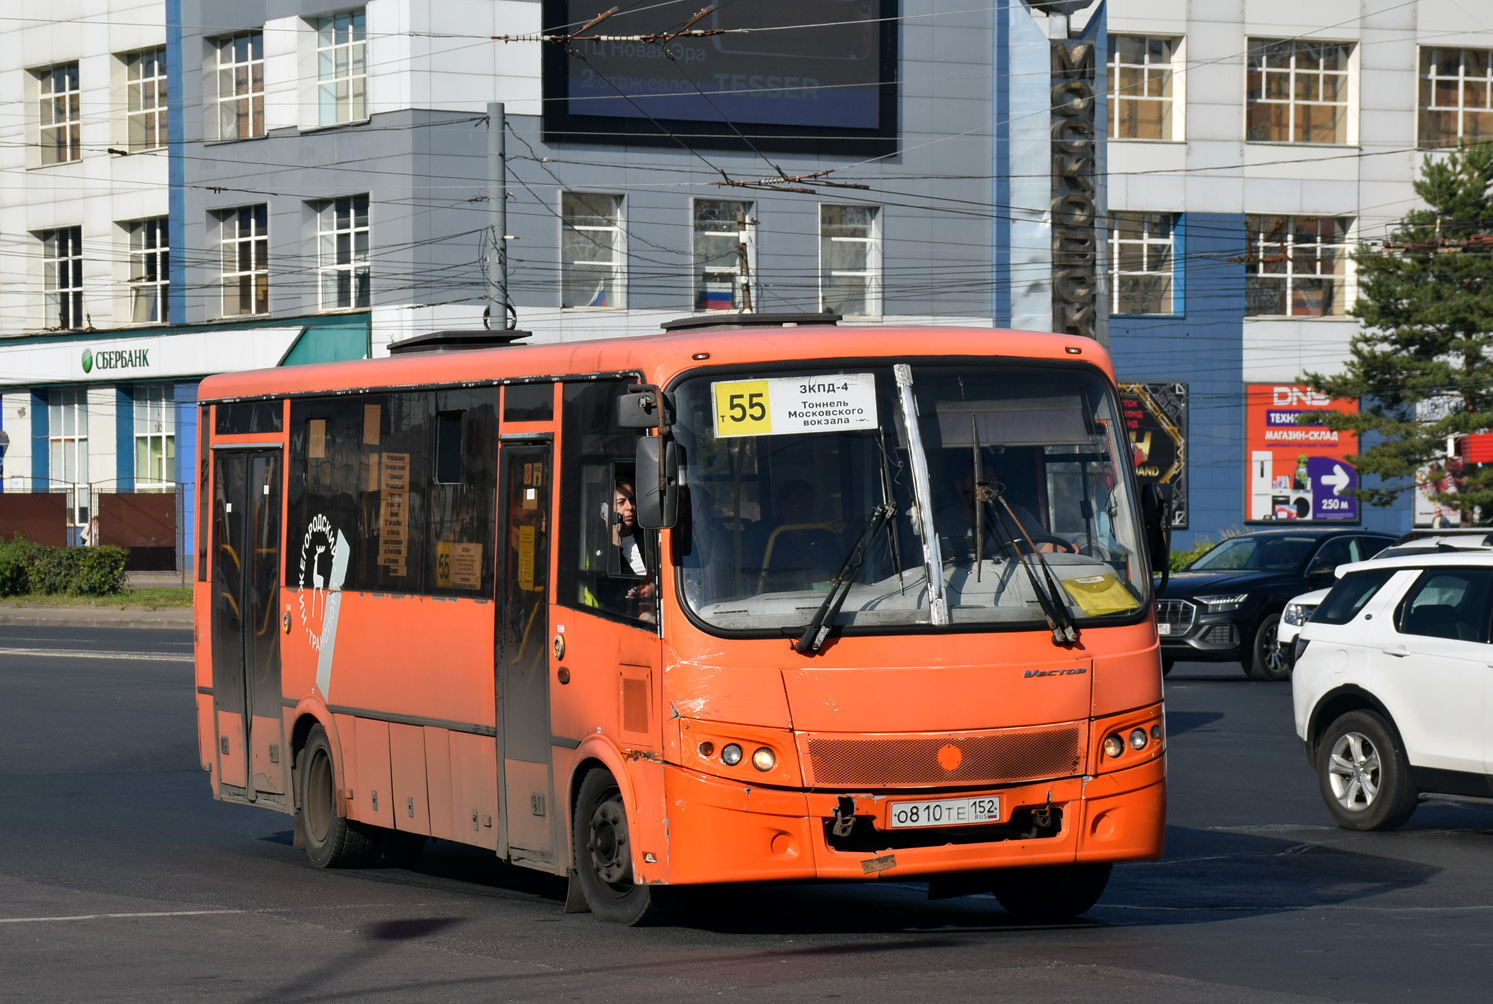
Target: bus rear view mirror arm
[(1156, 510), (657, 474)]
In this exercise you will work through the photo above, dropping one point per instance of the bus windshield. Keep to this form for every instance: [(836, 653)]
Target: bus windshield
[(789, 475)]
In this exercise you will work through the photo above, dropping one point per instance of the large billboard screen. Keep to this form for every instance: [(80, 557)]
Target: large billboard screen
[(1300, 473), (1156, 419), (778, 74)]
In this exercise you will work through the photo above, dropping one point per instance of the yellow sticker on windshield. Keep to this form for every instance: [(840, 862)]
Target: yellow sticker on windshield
[(1097, 595), (830, 402)]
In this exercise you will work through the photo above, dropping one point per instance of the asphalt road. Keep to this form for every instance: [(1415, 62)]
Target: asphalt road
[(121, 879)]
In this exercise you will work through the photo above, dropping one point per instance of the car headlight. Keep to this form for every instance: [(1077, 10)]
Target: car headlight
[(1294, 615), (1223, 604)]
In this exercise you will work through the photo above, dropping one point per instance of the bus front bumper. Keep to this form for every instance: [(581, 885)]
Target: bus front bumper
[(721, 831)]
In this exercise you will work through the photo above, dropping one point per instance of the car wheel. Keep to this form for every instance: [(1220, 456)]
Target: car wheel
[(1050, 895), (1267, 661), (1363, 774)]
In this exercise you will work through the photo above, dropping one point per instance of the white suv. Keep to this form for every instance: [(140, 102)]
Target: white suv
[(1389, 684)]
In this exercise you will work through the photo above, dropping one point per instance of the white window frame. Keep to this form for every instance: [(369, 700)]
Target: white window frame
[(342, 261), (62, 254), (1169, 86), (257, 275), (871, 273), (714, 229), (608, 274), (145, 99), (1293, 75), (1154, 251), (1426, 103), (67, 453), (61, 117), (341, 68), (240, 85), (1275, 253), (154, 406), (150, 270)]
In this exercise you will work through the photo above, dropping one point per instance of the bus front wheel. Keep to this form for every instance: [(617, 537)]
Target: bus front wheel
[(332, 840), (602, 849), (1050, 895)]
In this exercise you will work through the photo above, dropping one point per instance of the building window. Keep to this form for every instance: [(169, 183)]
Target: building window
[(1297, 266), (1141, 263), (246, 260), (241, 86), (342, 258), (1297, 92), (150, 271), (155, 437), (850, 260), (61, 116), (67, 432), (1140, 87), (62, 252), (145, 94), (341, 71), (1456, 96), (725, 254), (591, 250)]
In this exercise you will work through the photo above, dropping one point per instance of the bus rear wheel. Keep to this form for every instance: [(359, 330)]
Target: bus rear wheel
[(602, 849), (1050, 895), (332, 840)]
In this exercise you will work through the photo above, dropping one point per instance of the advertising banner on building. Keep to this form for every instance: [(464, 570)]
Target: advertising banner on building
[(1301, 473), (1156, 419)]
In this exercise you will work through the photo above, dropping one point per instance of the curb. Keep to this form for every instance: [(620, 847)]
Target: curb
[(104, 617)]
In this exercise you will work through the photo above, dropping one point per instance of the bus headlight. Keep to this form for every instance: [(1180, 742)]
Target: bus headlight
[(764, 759), (1113, 746), (1138, 739), (731, 754)]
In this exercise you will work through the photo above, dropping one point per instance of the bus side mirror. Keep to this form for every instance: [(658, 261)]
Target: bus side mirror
[(657, 487), (641, 410), (1156, 510)]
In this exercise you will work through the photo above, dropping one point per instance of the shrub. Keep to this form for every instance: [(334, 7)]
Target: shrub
[(70, 571)]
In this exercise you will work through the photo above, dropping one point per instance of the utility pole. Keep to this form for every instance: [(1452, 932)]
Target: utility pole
[(497, 215), (743, 260)]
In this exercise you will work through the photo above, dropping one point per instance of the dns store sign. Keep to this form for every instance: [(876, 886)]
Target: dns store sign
[(1298, 472)]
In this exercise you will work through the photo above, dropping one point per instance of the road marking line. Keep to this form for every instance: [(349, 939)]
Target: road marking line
[(114, 916), (78, 653)]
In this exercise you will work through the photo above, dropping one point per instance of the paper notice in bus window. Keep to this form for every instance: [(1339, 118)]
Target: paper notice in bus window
[(393, 512), (466, 566), (316, 439), (370, 424), (831, 402), (526, 558), (1101, 594)]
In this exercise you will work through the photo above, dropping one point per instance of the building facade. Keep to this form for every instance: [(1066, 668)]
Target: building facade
[(211, 184), (1253, 145)]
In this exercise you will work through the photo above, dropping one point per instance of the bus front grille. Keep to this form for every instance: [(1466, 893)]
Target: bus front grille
[(984, 758)]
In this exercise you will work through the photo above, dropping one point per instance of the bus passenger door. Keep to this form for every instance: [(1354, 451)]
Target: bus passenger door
[(522, 660), (246, 534)]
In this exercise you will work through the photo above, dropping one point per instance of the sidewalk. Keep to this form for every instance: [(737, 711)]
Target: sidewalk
[(105, 617)]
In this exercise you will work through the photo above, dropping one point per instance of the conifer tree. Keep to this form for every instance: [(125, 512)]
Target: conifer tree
[(1420, 366)]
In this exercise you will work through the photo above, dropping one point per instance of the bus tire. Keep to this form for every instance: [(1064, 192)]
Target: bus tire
[(332, 840), (1053, 894), (602, 851)]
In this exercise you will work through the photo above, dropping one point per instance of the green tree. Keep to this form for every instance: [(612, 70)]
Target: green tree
[(1426, 300)]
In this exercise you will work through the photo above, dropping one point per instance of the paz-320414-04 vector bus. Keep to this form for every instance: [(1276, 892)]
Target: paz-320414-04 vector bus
[(714, 606)]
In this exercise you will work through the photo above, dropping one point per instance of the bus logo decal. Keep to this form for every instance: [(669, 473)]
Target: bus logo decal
[(324, 560), (1053, 672)]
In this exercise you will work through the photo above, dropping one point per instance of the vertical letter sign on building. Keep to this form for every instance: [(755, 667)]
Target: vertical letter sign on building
[(1075, 290), (1297, 472)]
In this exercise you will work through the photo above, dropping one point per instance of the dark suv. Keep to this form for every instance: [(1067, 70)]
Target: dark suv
[(1225, 606)]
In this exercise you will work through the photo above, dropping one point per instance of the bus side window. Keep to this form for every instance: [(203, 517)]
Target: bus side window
[(464, 472), (608, 565)]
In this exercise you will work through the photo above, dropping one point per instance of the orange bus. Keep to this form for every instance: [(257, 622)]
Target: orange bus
[(787, 603)]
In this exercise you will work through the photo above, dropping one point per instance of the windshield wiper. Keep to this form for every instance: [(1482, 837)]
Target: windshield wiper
[(839, 587), (1053, 609)]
